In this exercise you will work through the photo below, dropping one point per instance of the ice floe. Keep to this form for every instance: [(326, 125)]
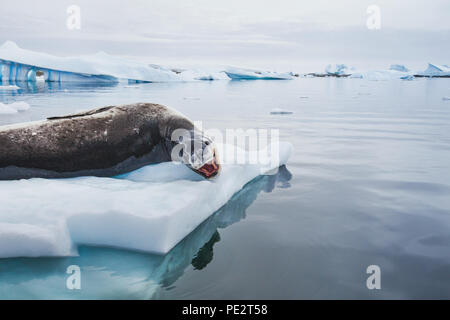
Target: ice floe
[(149, 210), (407, 77), (435, 70), (395, 71), (379, 75), (106, 272), (248, 74), (337, 70)]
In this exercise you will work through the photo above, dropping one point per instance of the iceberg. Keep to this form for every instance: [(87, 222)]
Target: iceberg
[(380, 75), (407, 77), (435, 70), (17, 64), (399, 67), (204, 74), (395, 71), (150, 210), (248, 74), (338, 70)]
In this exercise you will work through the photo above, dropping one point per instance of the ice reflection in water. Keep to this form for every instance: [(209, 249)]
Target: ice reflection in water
[(108, 273)]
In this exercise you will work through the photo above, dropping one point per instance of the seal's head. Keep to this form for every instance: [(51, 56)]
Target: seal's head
[(198, 152)]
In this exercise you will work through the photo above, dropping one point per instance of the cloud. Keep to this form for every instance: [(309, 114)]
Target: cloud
[(281, 31)]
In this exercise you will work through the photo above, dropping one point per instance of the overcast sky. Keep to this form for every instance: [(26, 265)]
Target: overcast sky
[(281, 34)]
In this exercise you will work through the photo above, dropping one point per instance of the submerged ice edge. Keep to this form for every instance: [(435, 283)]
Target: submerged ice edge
[(143, 274), (50, 217)]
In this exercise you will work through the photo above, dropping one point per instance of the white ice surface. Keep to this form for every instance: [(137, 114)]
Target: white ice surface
[(204, 74), (104, 67), (97, 64), (408, 77), (379, 75), (14, 107), (398, 67), (436, 70), (9, 87), (337, 69), (395, 71), (248, 74), (150, 209)]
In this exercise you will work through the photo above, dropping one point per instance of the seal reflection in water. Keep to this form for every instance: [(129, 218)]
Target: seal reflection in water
[(104, 142)]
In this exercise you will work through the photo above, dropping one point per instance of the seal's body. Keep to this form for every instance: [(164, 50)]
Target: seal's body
[(103, 142)]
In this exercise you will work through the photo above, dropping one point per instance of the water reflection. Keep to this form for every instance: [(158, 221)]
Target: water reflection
[(45, 87), (108, 273)]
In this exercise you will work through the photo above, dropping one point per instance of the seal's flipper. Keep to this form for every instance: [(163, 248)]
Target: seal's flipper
[(82, 114)]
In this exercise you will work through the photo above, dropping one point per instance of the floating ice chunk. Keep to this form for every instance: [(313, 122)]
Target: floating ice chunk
[(106, 272), (356, 75), (435, 70), (399, 67), (9, 87), (395, 71), (205, 74), (379, 75), (407, 77), (150, 210), (337, 70), (280, 111), (14, 107), (248, 74)]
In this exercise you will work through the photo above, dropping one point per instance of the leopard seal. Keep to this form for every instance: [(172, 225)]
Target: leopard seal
[(104, 142)]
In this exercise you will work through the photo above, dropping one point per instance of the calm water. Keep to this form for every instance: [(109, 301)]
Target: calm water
[(368, 184)]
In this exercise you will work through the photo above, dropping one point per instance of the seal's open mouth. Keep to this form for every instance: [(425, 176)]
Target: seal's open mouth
[(209, 169)]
